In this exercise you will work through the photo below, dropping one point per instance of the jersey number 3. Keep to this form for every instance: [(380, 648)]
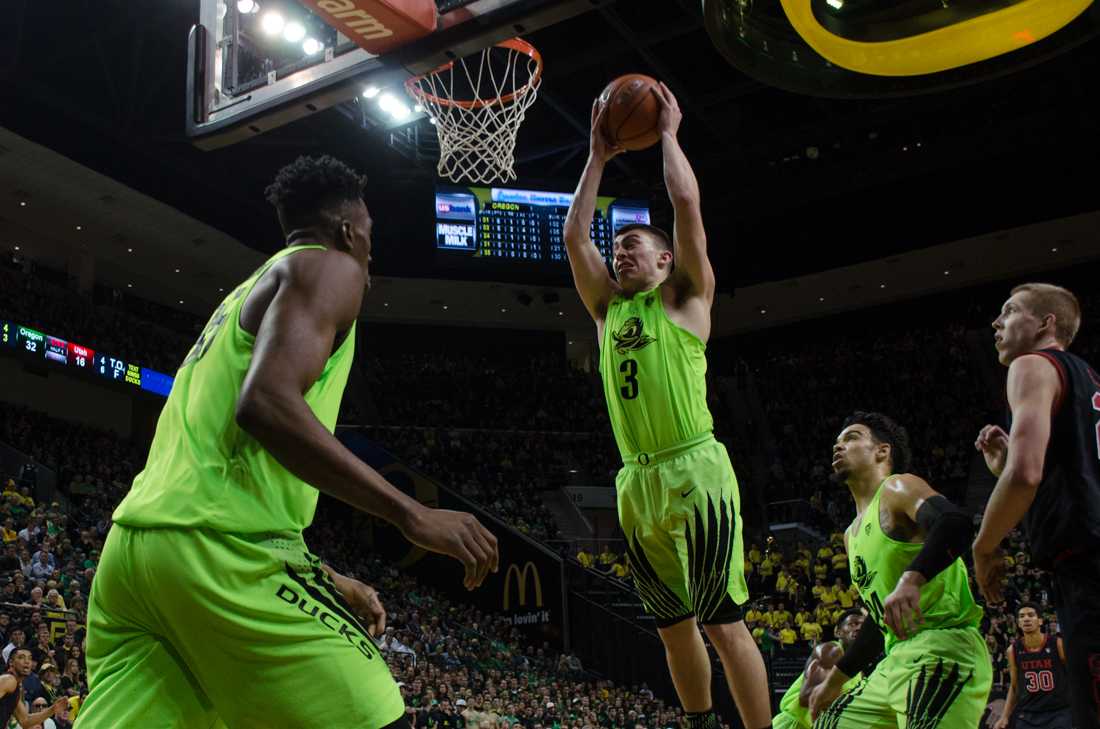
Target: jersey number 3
[(629, 368)]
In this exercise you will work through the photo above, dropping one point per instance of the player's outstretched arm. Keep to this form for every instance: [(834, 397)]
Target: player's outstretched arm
[(689, 239), (318, 296), (1034, 386), (590, 276), (947, 533)]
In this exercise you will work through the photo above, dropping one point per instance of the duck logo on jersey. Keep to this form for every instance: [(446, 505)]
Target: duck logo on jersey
[(862, 577), (630, 336)]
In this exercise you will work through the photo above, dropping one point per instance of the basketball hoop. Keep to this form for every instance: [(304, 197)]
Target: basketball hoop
[(477, 112)]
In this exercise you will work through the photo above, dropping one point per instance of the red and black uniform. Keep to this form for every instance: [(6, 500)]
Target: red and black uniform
[(7, 705), (1063, 527), (1042, 697)]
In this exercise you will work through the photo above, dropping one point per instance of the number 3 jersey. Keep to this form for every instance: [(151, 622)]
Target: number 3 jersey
[(654, 376), (876, 562), (203, 471)]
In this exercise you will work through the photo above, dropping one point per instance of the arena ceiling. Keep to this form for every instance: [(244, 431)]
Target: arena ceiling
[(793, 185)]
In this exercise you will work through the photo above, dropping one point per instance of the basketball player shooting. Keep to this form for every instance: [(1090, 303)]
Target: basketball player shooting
[(1047, 466), (678, 500), (1036, 669), (208, 609)]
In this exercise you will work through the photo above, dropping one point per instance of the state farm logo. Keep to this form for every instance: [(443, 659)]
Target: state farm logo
[(355, 19)]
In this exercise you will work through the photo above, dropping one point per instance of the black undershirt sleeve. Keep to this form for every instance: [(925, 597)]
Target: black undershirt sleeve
[(864, 649), (948, 533)]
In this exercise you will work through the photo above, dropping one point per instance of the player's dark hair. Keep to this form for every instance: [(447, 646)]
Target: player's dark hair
[(885, 430), (663, 241), (309, 188), (850, 612), (1034, 606), (11, 656)]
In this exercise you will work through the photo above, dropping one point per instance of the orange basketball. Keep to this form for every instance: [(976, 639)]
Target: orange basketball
[(632, 111)]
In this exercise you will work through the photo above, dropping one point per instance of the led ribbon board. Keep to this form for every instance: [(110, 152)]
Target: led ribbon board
[(959, 44)]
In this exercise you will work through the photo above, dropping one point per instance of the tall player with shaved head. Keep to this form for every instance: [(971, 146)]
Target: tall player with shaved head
[(678, 499), (1048, 474)]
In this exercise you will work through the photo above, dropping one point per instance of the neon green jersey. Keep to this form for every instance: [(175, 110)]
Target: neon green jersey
[(876, 562), (203, 471), (654, 376), (789, 703)]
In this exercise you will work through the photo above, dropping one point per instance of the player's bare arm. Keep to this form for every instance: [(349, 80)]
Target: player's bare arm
[(8, 685), (590, 275), (1033, 389), (315, 297), (1013, 691), (28, 720), (945, 531), (694, 276), (823, 657)]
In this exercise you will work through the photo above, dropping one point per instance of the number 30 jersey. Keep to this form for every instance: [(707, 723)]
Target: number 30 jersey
[(654, 376), (876, 562)]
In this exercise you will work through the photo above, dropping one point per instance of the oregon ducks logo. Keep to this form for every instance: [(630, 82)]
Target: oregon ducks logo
[(630, 337), (862, 577)]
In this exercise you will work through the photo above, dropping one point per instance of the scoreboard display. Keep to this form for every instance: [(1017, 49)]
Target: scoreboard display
[(40, 345), (525, 225)]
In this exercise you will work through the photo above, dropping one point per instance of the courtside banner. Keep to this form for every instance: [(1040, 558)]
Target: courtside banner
[(378, 26), (529, 587)]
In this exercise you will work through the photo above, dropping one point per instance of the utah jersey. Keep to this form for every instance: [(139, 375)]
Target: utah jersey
[(1040, 678), (1065, 517)]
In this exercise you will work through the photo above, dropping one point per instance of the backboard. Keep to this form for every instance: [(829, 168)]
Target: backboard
[(254, 65)]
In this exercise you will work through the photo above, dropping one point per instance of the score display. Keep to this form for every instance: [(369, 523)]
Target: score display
[(38, 344), (506, 223)]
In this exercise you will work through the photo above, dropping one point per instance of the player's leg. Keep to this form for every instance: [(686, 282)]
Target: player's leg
[(744, 669), (1078, 585), (711, 550), (941, 679), (135, 676), (689, 664), (659, 578), (261, 626)]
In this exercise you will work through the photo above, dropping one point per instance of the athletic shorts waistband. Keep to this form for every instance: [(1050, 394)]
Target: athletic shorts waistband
[(652, 458)]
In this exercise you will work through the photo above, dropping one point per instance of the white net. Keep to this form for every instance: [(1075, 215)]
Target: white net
[(478, 104)]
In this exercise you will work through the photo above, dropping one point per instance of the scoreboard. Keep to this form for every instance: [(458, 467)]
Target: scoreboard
[(40, 345), (524, 225)]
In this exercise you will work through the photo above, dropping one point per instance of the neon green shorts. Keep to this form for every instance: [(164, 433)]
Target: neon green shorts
[(681, 516), (785, 721), (938, 679), (196, 628)]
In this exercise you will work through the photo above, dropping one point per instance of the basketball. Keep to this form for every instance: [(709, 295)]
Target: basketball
[(633, 111)]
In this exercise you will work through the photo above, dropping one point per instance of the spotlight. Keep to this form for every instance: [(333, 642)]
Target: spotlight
[(294, 32), (400, 111), (246, 6), (370, 92), (418, 108), (272, 23), (312, 45), (387, 102)]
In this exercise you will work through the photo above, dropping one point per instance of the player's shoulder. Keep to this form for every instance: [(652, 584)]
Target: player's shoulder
[(8, 684), (1043, 364), (320, 266)]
